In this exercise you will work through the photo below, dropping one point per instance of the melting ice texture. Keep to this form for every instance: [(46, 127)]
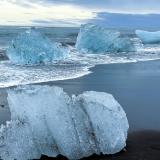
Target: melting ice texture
[(45, 120), (30, 47), (96, 39)]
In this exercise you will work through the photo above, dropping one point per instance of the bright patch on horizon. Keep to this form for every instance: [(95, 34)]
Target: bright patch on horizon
[(34, 14)]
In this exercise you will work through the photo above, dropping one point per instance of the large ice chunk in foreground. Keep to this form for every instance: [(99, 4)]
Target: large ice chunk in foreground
[(30, 47), (148, 37), (96, 39), (16, 142), (46, 120)]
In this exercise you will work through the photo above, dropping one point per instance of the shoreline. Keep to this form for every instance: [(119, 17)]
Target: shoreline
[(136, 87), (80, 74)]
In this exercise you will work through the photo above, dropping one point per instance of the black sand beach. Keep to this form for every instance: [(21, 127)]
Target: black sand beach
[(136, 87), (143, 145)]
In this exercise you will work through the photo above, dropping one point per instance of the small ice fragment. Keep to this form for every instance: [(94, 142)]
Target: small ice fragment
[(148, 37)]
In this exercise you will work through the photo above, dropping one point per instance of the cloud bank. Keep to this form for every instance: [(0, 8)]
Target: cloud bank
[(75, 12)]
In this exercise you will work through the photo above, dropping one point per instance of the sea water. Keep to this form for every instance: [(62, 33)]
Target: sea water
[(76, 65)]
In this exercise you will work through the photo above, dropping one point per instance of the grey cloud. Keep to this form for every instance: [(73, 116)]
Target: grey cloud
[(55, 22), (127, 20), (119, 5)]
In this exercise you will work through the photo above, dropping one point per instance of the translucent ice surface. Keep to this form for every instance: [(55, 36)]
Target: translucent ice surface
[(16, 134), (46, 120), (30, 47), (96, 39), (148, 37)]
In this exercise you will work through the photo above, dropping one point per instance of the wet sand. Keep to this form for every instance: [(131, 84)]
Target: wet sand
[(136, 86), (143, 145)]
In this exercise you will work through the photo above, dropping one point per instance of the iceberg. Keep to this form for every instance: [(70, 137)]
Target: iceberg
[(148, 37), (30, 47), (46, 120), (95, 39)]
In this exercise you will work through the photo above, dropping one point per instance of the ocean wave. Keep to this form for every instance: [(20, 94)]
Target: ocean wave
[(75, 66), (13, 75)]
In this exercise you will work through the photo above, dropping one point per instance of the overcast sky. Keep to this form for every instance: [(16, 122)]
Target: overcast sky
[(69, 12)]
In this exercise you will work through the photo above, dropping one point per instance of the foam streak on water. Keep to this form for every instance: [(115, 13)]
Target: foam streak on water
[(12, 75), (76, 66)]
